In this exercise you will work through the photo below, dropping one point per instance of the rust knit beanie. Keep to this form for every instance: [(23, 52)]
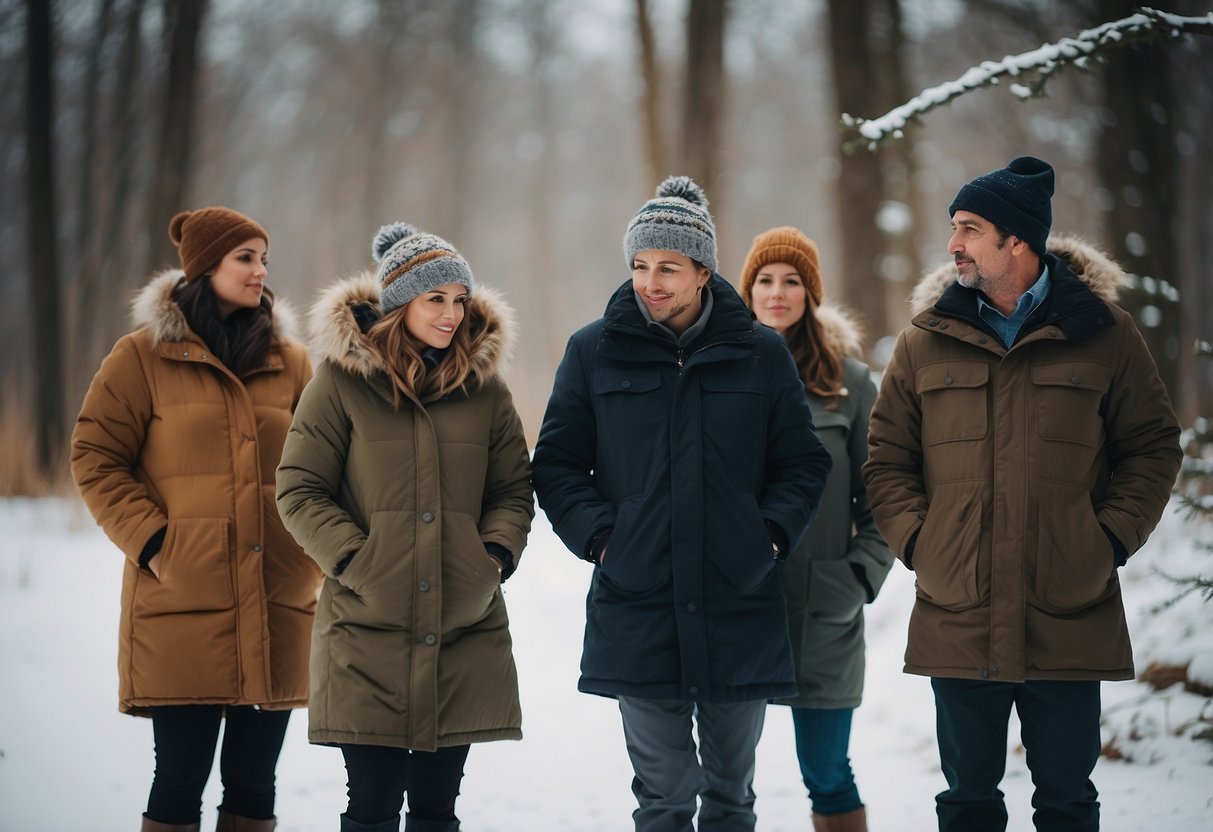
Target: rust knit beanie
[(204, 236), (784, 245)]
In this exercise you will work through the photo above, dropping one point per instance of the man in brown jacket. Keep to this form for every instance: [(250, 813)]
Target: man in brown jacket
[(1022, 448)]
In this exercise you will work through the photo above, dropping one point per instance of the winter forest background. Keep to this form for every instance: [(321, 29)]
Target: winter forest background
[(527, 132)]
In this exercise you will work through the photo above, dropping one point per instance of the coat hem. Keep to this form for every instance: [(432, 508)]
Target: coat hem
[(326, 737), (1110, 675), (673, 693), (143, 705)]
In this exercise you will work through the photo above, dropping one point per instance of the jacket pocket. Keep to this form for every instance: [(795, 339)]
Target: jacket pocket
[(835, 594), (629, 396), (1075, 565), (638, 558), (947, 554), (1069, 398), (470, 577), (954, 401), (195, 569), (738, 542)]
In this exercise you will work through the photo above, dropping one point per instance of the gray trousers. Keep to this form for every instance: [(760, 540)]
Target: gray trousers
[(670, 775)]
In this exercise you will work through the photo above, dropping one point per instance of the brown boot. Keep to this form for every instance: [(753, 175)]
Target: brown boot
[(238, 823), (855, 820), (150, 825)]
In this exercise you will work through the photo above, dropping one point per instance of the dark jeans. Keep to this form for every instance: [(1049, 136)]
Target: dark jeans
[(185, 738), (1060, 733), (670, 775), (822, 738), (378, 777)]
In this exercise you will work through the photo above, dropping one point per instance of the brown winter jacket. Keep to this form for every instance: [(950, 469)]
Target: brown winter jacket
[(1012, 481), (411, 646), (169, 437)]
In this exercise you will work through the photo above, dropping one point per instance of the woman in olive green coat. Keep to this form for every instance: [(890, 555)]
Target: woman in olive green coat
[(405, 475), (842, 561)]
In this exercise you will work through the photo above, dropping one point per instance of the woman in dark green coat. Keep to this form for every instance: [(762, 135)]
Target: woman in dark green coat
[(406, 477), (841, 562)]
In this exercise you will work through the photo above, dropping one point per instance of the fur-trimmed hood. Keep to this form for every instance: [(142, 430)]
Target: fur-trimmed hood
[(154, 308), (1094, 268), (842, 332), (336, 337)]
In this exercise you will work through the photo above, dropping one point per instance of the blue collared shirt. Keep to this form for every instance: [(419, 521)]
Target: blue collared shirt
[(1008, 327)]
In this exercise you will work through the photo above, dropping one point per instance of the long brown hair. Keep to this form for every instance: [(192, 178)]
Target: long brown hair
[(817, 360), (242, 339), (402, 357)]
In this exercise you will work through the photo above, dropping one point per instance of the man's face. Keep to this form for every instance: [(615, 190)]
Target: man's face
[(982, 255), (668, 283)]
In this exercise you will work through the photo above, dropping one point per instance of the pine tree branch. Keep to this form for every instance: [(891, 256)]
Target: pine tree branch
[(1033, 69)]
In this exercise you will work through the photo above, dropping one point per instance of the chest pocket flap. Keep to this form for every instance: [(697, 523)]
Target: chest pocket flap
[(1079, 375), (609, 380), (954, 407), (1069, 401)]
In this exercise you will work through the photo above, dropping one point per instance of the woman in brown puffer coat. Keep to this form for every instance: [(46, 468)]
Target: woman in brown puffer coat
[(174, 452), (406, 477)]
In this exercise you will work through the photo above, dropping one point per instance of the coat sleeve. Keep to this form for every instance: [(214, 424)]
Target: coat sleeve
[(867, 551), (1143, 444), (797, 464), (566, 456), (509, 502), (106, 444), (893, 472), (310, 473)]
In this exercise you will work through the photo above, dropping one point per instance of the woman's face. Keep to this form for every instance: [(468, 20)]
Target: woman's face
[(668, 283), (433, 317), (778, 296), (239, 279)]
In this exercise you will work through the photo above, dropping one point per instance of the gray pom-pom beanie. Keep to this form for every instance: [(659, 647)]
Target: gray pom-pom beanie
[(412, 263), (1015, 198), (677, 219)]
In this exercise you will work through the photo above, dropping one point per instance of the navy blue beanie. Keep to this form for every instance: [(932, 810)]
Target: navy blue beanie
[(1015, 198)]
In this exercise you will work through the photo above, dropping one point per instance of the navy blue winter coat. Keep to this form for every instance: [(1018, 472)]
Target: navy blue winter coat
[(684, 455)]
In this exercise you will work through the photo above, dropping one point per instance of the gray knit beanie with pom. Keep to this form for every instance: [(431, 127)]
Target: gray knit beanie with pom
[(412, 263), (677, 219)]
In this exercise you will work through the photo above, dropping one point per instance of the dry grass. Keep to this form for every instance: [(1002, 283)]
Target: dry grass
[(20, 473)]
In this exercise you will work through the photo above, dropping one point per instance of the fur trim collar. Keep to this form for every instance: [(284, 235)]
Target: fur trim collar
[(1094, 268), (337, 338), (842, 332), (154, 308)]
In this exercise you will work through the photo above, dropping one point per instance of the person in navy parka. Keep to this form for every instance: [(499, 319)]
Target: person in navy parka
[(678, 455)]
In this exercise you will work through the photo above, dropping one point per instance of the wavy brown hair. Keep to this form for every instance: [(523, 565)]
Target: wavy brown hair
[(819, 364), (242, 339), (402, 357)]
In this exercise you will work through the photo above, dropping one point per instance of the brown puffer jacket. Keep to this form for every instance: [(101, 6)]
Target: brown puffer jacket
[(168, 437), (412, 645), (1011, 481)]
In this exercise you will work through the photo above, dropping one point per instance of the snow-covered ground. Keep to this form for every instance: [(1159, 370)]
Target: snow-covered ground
[(70, 761)]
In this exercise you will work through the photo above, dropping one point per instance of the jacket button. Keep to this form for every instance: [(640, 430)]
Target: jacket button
[(691, 607), (204, 356), (424, 586), (431, 639), (626, 385), (257, 548), (1074, 379), (933, 322), (428, 517), (994, 670), (985, 674), (185, 354), (947, 380), (983, 339), (693, 690)]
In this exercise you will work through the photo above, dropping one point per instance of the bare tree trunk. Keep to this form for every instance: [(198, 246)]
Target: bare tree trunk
[(183, 20), (462, 109), (108, 251), (1136, 160), (88, 150), (901, 262), (703, 93), (43, 237), (858, 191), (654, 145)]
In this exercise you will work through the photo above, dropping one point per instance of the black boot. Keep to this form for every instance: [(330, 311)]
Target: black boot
[(389, 825)]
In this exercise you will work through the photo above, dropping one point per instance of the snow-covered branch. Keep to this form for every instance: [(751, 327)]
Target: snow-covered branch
[(1033, 69)]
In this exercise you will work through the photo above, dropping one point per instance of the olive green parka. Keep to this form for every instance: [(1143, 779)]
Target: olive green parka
[(1013, 481), (169, 438), (411, 646)]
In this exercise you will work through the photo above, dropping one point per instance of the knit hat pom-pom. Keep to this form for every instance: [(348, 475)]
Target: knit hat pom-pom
[(175, 226), (388, 236), (683, 187)]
